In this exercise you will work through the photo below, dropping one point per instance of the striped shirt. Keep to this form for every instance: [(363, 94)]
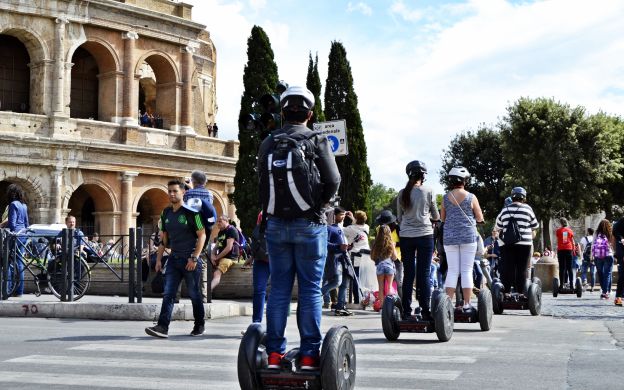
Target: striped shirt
[(525, 218)]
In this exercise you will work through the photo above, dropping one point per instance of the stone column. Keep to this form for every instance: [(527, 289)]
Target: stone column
[(186, 106), (58, 94), (130, 111), (56, 196), (127, 178)]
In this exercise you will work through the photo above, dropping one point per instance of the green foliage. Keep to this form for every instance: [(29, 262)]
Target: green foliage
[(341, 103), (481, 153), (381, 198), (260, 77), (313, 83)]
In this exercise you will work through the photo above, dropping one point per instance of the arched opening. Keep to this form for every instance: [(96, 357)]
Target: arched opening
[(4, 200), (92, 207), (157, 92), (14, 75), (150, 205), (84, 85)]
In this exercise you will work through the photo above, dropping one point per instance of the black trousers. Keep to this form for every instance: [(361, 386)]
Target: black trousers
[(565, 267), (514, 265)]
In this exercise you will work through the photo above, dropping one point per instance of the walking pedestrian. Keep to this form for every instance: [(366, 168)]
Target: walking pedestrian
[(416, 210), (618, 233), (295, 228), (336, 264), (17, 220), (602, 251), (182, 232), (588, 265), (357, 239), (565, 249), (516, 253), (261, 270), (460, 213)]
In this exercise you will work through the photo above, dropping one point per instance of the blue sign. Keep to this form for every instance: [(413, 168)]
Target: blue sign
[(335, 144)]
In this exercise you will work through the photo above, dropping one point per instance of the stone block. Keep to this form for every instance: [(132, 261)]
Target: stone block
[(546, 269)]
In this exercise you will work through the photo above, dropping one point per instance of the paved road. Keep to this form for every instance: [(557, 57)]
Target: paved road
[(520, 352)]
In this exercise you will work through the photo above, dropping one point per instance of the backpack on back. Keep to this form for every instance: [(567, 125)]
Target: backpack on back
[(290, 182), (588, 250), (511, 233)]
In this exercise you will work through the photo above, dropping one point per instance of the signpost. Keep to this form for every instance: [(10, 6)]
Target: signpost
[(336, 133)]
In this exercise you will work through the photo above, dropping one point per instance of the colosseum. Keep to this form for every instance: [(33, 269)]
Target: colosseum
[(76, 77)]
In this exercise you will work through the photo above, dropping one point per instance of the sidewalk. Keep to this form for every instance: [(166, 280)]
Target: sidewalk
[(97, 307)]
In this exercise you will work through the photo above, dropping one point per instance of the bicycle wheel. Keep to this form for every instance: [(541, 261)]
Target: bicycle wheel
[(82, 278)]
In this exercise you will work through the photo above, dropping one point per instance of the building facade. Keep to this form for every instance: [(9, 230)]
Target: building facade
[(76, 76)]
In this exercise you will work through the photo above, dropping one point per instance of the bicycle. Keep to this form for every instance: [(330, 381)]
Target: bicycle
[(44, 256)]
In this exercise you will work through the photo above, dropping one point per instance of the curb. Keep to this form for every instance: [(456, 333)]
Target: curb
[(116, 311)]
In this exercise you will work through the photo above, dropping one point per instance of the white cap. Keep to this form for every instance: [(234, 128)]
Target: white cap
[(459, 172), (296, 95)]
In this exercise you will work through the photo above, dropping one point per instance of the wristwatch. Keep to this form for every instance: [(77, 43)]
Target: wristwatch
[(193, 258)]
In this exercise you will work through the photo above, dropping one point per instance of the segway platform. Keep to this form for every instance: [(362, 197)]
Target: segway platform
[(337, 364), (531, 300), (559, 289), (393, 322), (482, 314)]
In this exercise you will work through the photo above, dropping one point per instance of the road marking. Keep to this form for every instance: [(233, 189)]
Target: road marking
[(157, 349), (409, 373), (416, 359), (124, 382)]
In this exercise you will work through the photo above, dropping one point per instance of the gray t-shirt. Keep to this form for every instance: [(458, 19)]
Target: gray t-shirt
[(416, 221), (181, 227)]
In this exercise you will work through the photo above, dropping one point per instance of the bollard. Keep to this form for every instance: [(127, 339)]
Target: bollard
[(71, 267), (547, 268), (131, 264), (139, 264), (64, 260), (3, 265)]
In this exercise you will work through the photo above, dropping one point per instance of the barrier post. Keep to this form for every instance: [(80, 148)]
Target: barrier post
[(64, 260), (131, 260), (139, 264), (3, 265), (71, 251)]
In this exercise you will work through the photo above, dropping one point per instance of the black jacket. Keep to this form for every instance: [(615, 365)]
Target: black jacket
[(325, 162)]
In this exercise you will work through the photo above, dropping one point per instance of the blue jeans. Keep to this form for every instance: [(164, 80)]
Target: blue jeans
[(416, 255), (174, 273), (591, 267), (330, 283), (342, 281), (20, 248), (478, 273), (604, 266), (261, 274), (295, 247)]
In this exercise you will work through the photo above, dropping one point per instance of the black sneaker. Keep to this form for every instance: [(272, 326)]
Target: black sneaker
[(426, 315), (198, 330), (157, 331), (343, 312)]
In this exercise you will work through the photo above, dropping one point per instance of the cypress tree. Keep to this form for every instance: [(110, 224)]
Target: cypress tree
[(259, 78), (341, 103), (313, 83)]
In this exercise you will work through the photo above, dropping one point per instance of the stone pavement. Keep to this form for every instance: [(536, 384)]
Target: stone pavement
[(97, 307), (588, 307)]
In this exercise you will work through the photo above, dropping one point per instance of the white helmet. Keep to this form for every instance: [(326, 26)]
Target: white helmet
[(297, 96), (459, 172)]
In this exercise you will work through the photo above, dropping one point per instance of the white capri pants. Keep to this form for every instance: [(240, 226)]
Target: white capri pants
[(460, 260)]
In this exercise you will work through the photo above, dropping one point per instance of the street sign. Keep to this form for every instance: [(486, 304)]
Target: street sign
[(336, 133)]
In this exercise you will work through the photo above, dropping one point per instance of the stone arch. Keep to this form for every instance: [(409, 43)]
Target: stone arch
[(94, 74), (219, 203), (148, 204), (32, 192), (93, 204), (39, 55), (167, 84)]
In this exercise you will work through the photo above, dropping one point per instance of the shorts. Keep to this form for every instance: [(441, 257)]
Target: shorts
[(225, 264), (385, 267)]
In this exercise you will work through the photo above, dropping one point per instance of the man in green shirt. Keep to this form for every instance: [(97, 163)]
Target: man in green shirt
[(184, 233)]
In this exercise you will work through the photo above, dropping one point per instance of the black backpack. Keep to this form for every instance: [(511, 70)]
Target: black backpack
[(511, 233), (588, 250), (290, 182)]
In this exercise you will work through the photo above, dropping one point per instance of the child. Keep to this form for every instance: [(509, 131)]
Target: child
[(384, 254)]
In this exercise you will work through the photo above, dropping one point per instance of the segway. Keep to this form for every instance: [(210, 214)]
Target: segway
[(531, 299), (393, 321), (337, 368), (482, 313), (567, 289)]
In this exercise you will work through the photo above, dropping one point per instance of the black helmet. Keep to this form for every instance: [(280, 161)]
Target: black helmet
[(518, 193), (415, 167)]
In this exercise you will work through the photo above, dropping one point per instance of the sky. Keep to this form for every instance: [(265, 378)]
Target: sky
[(426, 70)]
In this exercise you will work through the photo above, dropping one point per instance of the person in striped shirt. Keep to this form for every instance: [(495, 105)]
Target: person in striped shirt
[(516, 257)]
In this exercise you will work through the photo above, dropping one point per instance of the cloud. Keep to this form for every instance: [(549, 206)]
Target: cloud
[(361, 7), (410, 15), (257, 4)]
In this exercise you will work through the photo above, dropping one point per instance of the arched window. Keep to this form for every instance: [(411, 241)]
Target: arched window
[(84, 85), (14, 75)]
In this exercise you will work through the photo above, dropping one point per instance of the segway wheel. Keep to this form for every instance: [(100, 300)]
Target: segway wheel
[(555, 287), (497, 298), (390, 317), (250, 358), (444, 318), (535, 299), (338, 359), (527, 284), (485, 309), (578, 287), (436, 296), (537, 280)]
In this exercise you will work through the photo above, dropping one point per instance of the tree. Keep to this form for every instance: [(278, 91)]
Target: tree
[(259, 78), (341, 103), (481, 153), (313, 83), (381, 198), (556, 153)]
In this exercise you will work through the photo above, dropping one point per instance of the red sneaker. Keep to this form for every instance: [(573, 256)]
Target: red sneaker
[(275, 359), (309, 363)]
